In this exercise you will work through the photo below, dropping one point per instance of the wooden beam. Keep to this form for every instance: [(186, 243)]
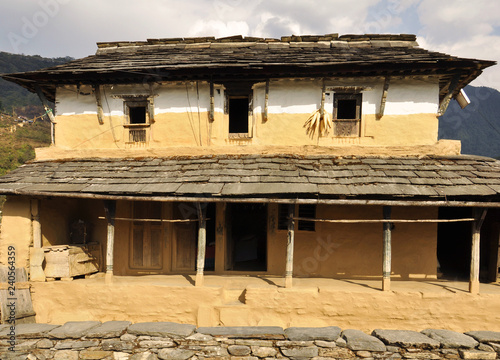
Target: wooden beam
[(322, 106), (265, 200), (202, 242), (387, 255), (100, 113), (452, 85), (290, 246), (48, 110), (384, 98), (211, 114), (37, 254), (110, 211), (354, 221), (266, 103), (479, 215)]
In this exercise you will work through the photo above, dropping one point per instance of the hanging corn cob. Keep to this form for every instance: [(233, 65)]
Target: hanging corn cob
[(317, 124)]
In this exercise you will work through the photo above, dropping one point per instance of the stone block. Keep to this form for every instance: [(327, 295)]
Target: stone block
[(116, 345), (73, 329), (406, 339), (214, 351), (94, 354), (161, 329), (264, 351), (144, 356), (300, 352), (253, 332), (44, 344), (359, 341), (175, 354), (109, 329), (451, 339), (28, 331), (158, 344), (66, 355), (329, 333), (239, 350), (485, 336), (336, 353), (325, 344), (477, 354)]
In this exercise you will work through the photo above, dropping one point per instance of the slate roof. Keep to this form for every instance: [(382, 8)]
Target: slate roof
[(263, 176), (255, 59)]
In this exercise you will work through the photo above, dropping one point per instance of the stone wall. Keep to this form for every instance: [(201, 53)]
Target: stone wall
[(122, 340)]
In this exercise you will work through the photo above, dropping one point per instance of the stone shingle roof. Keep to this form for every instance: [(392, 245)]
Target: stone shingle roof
[(263, 176), (254, 58)]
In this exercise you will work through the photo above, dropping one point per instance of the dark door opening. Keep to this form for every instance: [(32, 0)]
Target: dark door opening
[(246, 237), (454, 244)]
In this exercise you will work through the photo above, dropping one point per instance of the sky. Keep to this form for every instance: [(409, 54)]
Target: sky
[(59, 28)]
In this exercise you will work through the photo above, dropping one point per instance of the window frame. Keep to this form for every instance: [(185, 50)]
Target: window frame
[(229, 96), (138, 133), (358, 97)]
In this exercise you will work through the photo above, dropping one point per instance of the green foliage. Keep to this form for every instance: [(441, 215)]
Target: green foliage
[(13, 96)]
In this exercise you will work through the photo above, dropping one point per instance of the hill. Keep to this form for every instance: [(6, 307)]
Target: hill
[(478, 125), (13, 97)]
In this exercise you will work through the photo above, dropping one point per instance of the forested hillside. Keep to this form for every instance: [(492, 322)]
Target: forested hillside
[(478, 125), (14, 98)]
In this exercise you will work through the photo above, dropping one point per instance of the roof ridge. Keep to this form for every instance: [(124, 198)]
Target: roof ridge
[(407, 38)]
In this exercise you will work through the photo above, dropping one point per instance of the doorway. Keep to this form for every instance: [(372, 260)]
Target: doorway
[(246, 237)]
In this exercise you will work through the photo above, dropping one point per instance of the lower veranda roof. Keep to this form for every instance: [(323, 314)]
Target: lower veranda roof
[(246, 177)]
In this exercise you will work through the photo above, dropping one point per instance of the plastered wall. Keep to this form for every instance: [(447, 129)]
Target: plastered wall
[(181, 113), (16, 230), (333, 250)]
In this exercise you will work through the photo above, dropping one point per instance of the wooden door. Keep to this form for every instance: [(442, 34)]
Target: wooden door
[(147, 235), (185, 238)]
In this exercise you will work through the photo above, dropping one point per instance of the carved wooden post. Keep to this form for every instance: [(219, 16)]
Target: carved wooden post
[(110, 210), (37, 254), (202, 242), (289, 246), (386, 269), (479, 215)]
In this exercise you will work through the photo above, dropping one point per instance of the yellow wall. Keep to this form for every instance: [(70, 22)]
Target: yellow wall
[(16, 230), (181, 115)]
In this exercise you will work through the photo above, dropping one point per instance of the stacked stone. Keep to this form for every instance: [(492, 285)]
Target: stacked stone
[(121, 340)]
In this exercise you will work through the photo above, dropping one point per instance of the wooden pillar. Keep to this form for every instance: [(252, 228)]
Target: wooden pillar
[(289, 246), (479, 215), (37, 254), (110, 210), (386, 268), (202, 242)]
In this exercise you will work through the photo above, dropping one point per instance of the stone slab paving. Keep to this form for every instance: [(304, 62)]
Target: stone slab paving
[(28, 330), (406, 339), (485, 336), (359, 341), (161, 329), (451, 339), (73, 329), (328, 333), (109, 329), (255, 332)]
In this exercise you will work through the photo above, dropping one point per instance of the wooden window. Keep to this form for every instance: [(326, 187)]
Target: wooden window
[(347, 115), (147, 235), (138, 120), (304, 211)]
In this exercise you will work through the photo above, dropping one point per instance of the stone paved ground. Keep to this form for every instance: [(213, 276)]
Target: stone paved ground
[(121, 340)]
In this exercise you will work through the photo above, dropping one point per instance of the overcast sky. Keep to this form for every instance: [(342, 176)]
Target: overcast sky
[(58, 28)]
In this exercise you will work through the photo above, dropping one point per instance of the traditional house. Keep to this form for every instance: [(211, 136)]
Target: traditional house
[(261, 170)]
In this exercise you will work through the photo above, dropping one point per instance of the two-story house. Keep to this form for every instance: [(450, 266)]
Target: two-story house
[(304, 158)]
